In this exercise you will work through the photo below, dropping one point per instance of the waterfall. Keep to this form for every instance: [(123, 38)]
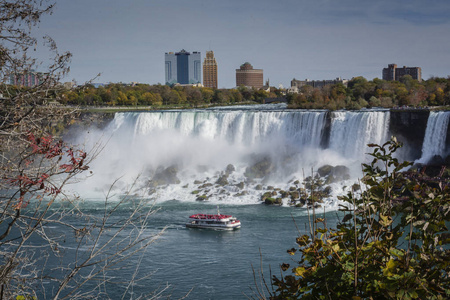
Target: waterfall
[(199, 145), (352, 131), (435, 136), (240, 128)]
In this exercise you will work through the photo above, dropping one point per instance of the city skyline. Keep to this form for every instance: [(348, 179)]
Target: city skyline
[(126, 41)]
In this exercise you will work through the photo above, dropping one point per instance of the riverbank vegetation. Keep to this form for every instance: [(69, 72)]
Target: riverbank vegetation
[(391, 243)]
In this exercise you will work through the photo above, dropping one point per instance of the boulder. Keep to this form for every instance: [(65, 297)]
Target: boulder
[(206, 185), (240, 185), (331, 179), (201, 198), (259, 169), (265, 196), (223, 180), (165, 176), (341, 172), (284, 194), (230, 169), (294, 195), (356, 187), (269, 201), (325, 170), (327, 191)]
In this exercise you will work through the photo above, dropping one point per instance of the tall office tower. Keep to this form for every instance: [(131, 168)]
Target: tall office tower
[(183, 67), (393, 73), (210, 70), (247, 76)]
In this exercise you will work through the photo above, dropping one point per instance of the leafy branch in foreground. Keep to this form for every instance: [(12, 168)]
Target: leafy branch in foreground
[(391, 243)]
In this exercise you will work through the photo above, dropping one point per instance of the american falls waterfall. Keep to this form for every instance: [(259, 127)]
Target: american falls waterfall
[(352, 131), (231, 155), (435, 136)]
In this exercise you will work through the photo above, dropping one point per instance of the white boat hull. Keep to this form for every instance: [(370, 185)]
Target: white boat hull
[(214, 226)]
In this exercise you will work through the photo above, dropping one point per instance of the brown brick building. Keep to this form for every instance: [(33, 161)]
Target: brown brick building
[(393, 73), (210, 70), (247, 76)]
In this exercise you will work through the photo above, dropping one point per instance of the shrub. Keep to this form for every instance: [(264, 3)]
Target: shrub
[(382, 248)]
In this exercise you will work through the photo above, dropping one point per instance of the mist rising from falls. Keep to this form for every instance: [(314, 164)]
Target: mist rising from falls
[(200, 144)]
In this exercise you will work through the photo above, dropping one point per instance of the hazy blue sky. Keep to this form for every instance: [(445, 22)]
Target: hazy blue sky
[(316, 39)]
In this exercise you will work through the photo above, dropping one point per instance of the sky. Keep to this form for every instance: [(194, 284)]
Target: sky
[(126, 40)]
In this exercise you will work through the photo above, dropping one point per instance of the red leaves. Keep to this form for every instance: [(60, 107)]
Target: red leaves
[(55, 157), (46, 146), (50, 148), (76, 159)]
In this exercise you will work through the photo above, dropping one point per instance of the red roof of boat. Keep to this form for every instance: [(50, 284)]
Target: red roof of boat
[(205, 216)]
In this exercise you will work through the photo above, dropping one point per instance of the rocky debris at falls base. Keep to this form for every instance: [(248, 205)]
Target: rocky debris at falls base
[(436, 173), (253, 182), (313, 191)]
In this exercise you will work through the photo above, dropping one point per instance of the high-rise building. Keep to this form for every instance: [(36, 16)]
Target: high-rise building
[(210, 70), (183, 67), (394, 73), (27, 78), (247, 76)]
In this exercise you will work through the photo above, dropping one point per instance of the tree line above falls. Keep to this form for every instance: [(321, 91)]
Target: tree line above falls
[(360, 93)]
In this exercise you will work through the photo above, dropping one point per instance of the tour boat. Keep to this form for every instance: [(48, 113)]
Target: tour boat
[(219, 222)]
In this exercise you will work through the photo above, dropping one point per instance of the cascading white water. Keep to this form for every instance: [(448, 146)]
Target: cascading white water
[(435, 136), (352, 131), (244, 128), (202, 143)]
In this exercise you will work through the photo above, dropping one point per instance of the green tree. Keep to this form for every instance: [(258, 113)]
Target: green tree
[(122, 98), (193, 96), (207, 94), (219, 97), (383, 247), (236, 95), (147, 98), (374, 101), (174, 97)]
